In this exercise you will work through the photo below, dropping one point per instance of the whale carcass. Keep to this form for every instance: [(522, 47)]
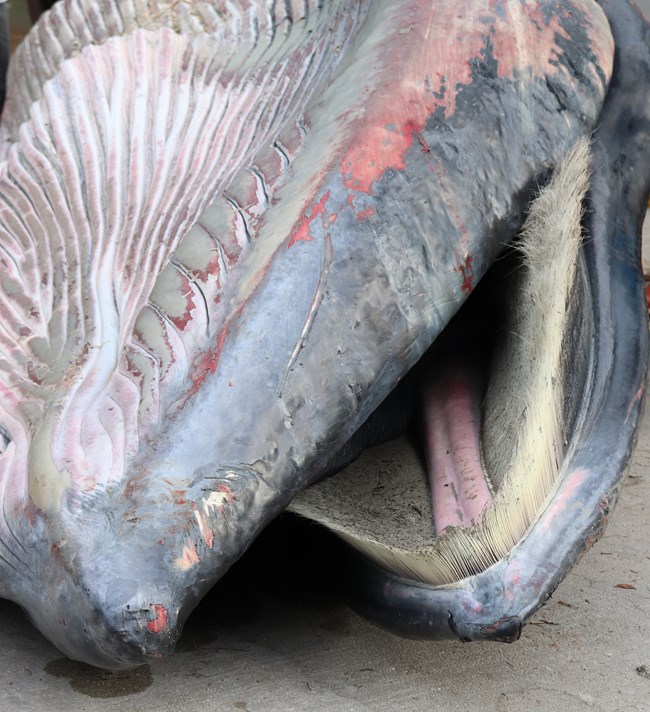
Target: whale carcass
[(231, 232)]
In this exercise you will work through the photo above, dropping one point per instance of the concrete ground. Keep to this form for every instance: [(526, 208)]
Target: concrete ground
[(279, 641)]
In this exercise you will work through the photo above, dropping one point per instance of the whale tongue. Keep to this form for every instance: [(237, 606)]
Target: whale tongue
[(451, 415)]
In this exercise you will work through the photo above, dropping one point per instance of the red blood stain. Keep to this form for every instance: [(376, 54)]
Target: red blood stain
[(300, 233), (159, 623), (468, 274)]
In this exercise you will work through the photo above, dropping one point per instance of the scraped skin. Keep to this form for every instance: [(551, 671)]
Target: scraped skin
[(227, 230)]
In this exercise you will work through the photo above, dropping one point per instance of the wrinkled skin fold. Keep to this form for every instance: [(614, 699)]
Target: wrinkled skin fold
[(228, 231)]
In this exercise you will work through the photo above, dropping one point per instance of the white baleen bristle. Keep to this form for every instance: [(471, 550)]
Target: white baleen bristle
[(523, 414)]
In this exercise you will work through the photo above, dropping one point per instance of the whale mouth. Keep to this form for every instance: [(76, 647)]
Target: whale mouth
[(466, 540), (498, 399)]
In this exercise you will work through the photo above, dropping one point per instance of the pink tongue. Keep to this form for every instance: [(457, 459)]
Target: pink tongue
[(452, 419)]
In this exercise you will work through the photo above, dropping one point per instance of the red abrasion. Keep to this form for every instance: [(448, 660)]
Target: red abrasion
[(208, 534), (212, 269), (637, 397), (365, 214), (206, 363), (566, 494), (436, 167), (452, 420), (536, 577), (179, 497), (227, 491), (181, 322), (300, 233), (9, 396), (159, 623), (133, 369), (140, 337), (385, 147), (362, 215), (467, 272), (188, 557), (231, 248), (422, 141), (33, 377)]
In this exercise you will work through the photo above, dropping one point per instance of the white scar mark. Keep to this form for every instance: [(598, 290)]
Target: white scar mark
[(323, 278)]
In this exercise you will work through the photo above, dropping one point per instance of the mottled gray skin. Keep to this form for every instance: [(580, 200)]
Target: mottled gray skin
[(268, 421)]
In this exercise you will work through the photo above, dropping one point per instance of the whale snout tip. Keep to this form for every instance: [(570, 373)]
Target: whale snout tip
[(141, 634), (113, 637)]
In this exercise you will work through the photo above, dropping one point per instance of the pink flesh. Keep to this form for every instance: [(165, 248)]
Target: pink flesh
[(452, 420)]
